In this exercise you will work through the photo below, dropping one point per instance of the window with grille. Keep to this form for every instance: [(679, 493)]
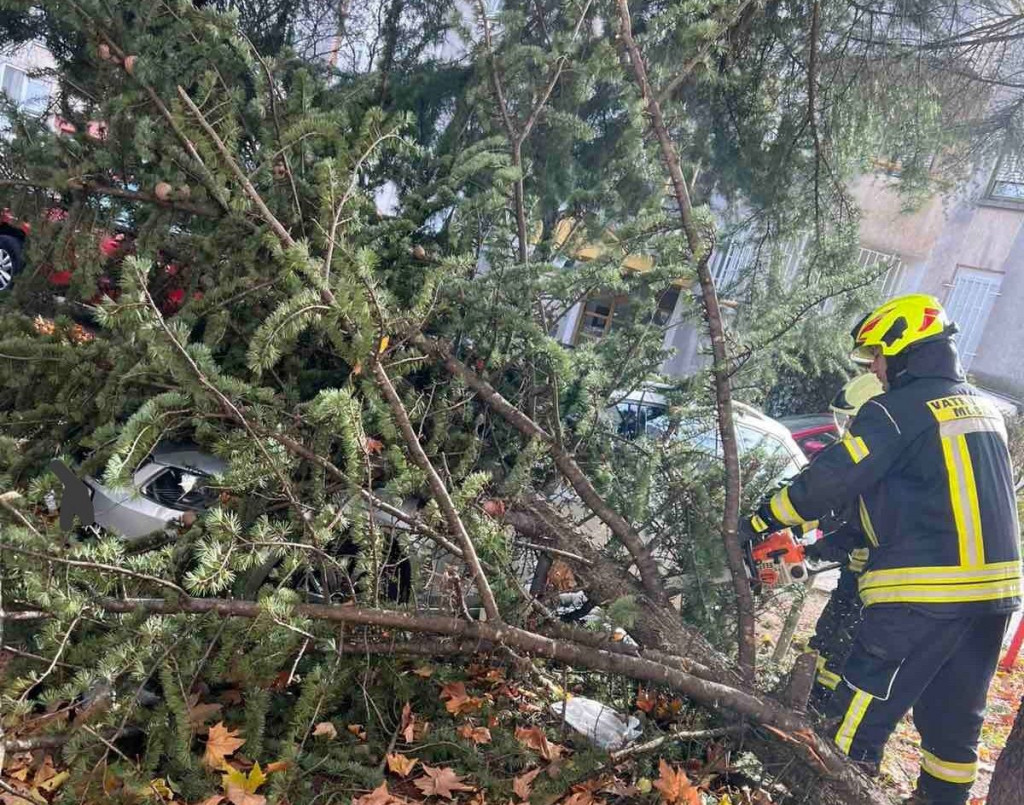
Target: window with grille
[(892, 280), (969, 303), (1008, 179)]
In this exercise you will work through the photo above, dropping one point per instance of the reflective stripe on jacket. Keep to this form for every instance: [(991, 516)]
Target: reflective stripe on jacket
[(929, 465)]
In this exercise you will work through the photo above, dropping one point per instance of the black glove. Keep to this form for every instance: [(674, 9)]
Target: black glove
[(815, 551)]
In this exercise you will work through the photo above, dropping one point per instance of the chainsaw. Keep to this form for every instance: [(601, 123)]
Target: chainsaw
[(778, 559)]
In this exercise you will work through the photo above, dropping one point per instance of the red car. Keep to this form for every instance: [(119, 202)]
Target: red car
[(168, 288), (12, 241), (813, 432)]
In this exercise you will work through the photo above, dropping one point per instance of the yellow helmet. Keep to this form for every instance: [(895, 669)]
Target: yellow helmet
[(852, 396), (898, 324)]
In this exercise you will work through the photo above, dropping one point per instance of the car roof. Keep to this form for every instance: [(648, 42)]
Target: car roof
[(189, 457), (807, 421)]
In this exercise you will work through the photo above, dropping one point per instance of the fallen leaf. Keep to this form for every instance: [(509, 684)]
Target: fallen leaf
[(675, 786), (643, 785), (494, 508), (458, 701), (242, 782), (534, 738), (440, 782), (278, 765), (372, 446), (523, 784), (160, 788), (644, 701), (384, 344), (220, 742), (45, 771), (216, 799), (199, 714), (327, 729), (379, 796), (560, 577), (400, 764), (408, 733), (478, 735), (424, 671), (357, 730)]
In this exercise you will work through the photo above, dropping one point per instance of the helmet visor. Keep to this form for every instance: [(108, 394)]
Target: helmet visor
[(864, 355)]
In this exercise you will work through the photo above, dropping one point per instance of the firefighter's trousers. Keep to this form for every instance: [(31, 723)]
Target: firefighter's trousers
[(833, 637), (903, 658)]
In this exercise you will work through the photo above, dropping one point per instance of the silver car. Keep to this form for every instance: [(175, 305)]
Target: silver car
[(175, 480)]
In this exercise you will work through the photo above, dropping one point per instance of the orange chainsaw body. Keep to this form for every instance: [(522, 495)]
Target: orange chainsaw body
[(779, 559)]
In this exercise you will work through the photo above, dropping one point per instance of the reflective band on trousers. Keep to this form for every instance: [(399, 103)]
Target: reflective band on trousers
[(947, 770), (854, 715)]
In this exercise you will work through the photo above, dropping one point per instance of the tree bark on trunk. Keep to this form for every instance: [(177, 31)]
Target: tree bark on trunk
[(701, 251), (1007, 786)]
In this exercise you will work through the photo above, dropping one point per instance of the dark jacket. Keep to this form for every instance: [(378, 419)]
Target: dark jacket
[(929, 465)]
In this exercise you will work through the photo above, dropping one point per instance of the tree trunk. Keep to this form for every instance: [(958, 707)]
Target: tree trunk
[(701, 251), (1008, 781)]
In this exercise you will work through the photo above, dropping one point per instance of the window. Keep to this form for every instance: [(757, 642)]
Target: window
[(601, 312), (1008, 178), (969, 303), (892, 279), (30, 94)]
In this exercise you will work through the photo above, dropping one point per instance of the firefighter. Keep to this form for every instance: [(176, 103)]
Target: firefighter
[(928, 465), (847, 545)]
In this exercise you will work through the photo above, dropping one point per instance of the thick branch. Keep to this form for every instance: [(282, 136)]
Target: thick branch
[(710, 694), (93, 188), (566, 463), (701, 251), (254, 196), (439, 491)]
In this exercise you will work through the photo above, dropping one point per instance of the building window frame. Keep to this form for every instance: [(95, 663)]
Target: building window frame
[(29, 85), (991, 197), (662, 315)]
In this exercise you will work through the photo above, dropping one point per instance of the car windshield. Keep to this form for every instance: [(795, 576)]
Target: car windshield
[(181, 489), (702, 435)]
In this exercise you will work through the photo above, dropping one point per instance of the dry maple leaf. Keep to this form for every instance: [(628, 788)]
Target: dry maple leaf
[(523, 784), (458, 701), (535, 739), (199, 714), (379, 796), (560, 577), (327, 729), (675, 786), (400, 764), (494, 507), (441, 782), (220, 743), (478, 735), (357, 730), (372, 446), (408, 733), (644, 701)]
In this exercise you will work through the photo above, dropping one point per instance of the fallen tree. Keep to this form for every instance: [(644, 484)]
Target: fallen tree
[(330, 350)]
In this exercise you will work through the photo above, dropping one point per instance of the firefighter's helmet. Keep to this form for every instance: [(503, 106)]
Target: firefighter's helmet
[(899, 324)]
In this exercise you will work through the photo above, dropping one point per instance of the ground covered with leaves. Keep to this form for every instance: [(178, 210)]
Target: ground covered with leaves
[(466, 733)]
